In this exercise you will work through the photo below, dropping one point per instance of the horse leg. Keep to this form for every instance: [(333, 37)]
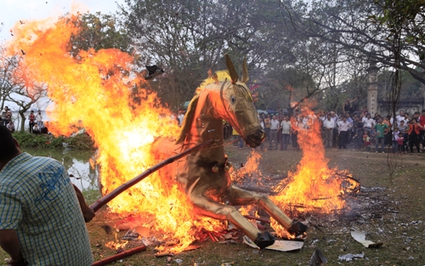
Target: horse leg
[(207, 207), (238, 196)]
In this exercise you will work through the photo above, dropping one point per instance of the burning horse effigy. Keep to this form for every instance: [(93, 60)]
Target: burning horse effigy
[(204, 174)]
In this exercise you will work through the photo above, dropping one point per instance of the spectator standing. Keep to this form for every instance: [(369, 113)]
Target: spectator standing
[(349, 105), (343, 127), (267, 127), (11, 126), (4, 115), (274, 126), (421, 121), (294, 132), (406, 118), (334, 117), (329, 125), (414, 128), (394, 140), (31, 119), (388, 132), (41, 222), (400, 117), (350, 131), (400, 143), (380, 134), (358, 132), (262, 126), (404, 129), (39, 119), (368, 124), (285, 126)]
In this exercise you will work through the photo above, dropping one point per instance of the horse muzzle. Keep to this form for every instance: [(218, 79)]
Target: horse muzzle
[(254, 139)]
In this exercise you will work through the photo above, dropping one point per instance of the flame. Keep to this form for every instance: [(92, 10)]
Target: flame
[(95, 91), (314, 187)]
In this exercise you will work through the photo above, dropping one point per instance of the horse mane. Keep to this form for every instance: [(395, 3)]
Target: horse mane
[(220, 76)]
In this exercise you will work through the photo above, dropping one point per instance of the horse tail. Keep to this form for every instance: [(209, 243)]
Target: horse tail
[(188, 119)]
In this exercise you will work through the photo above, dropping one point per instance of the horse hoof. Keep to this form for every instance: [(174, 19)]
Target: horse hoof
[(264, 240), (297, 228)]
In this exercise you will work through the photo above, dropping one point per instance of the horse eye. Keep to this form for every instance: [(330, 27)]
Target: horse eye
[(232, 99)]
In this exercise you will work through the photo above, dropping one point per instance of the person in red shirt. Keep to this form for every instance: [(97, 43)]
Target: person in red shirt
[(421, 121), (31, 119), (414, 128)]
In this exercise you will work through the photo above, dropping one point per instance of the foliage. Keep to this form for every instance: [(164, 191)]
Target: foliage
[(98, 31), (78, 142), (406, 18)]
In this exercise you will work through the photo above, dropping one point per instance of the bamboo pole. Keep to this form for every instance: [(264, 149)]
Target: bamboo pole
[(108, 197), (119, 256)]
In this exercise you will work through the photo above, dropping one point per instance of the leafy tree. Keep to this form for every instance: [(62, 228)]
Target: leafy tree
[(367, 27), (98, 31), (16, 88)]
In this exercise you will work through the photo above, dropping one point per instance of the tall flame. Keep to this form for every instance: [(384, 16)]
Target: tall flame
[(95, 91), (314, 187)]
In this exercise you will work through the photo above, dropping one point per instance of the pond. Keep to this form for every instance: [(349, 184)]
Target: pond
[(77, 163)]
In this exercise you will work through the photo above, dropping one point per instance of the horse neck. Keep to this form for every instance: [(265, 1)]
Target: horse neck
[(205, 126)]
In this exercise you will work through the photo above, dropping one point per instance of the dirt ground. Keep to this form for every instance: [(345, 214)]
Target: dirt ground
[(389, 209)]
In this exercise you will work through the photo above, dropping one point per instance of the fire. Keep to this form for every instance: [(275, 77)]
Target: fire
[(93, 91), (314, 187)]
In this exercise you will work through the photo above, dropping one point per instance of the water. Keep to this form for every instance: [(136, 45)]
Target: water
[(76, 163)]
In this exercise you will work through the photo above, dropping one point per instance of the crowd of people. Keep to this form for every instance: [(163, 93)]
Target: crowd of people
[(35, 121), (357, 130), (6, 119)]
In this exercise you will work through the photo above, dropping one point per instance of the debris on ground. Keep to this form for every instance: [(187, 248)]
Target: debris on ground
[(361, 238)]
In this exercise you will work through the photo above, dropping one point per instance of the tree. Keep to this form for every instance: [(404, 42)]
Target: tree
[(16, 88), (98, 31), (7, 64), (188, 38), (366, 27)]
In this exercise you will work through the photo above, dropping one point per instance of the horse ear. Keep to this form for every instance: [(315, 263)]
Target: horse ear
[(232, 71), (245, 77)]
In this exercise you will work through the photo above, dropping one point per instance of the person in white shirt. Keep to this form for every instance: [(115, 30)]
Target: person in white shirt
[(39, 119), (285, 125), (343, 127), (328, 125), (274, 126), (368, 124), (335, 118), (400, 117)]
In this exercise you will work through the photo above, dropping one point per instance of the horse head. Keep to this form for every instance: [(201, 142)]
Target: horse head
[(238, 107), (230, 100)]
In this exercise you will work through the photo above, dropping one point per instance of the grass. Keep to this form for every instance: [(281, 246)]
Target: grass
[(392, 214)]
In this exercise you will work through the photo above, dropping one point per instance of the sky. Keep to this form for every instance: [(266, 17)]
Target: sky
[(13, 11)]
